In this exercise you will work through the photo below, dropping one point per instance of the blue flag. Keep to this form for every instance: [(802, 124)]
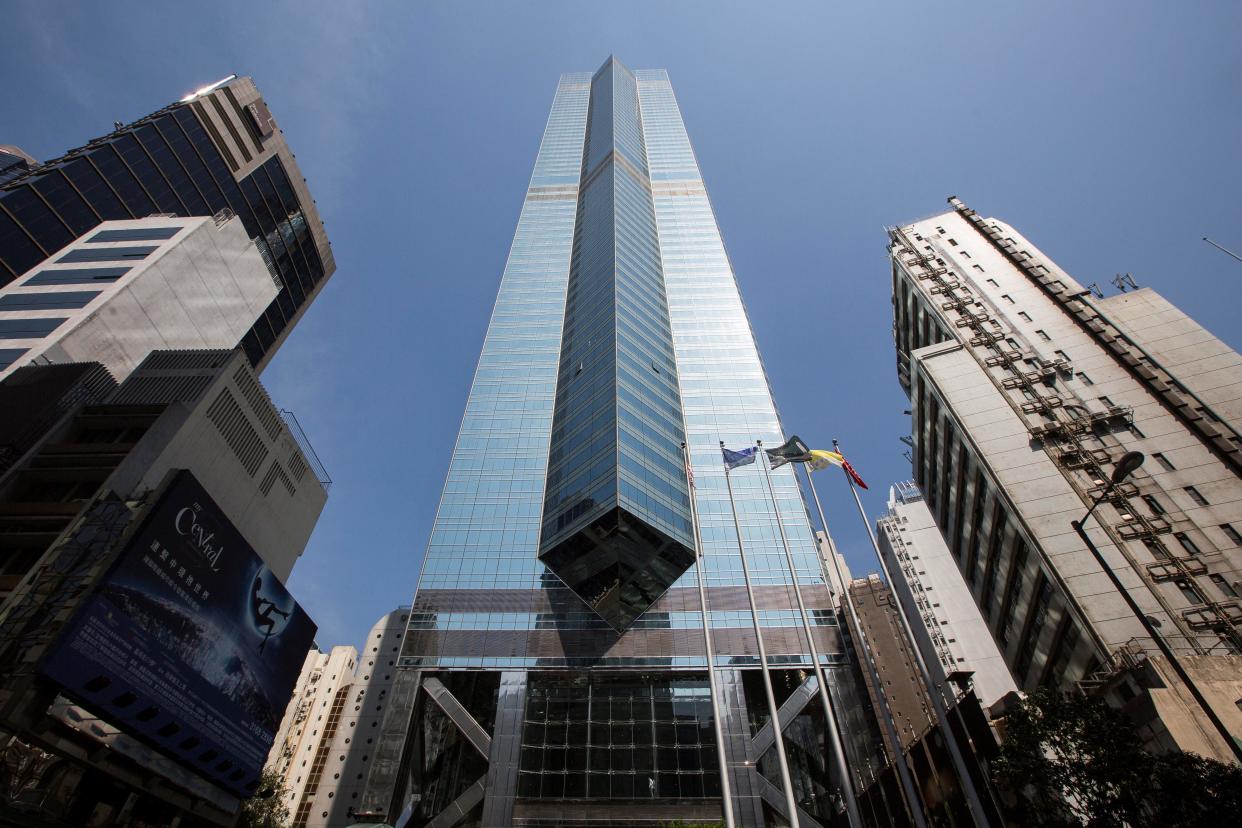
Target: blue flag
[(733, 459)]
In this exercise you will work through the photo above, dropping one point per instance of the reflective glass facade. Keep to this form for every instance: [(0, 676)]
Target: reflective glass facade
[(177, 162), (618, 333)]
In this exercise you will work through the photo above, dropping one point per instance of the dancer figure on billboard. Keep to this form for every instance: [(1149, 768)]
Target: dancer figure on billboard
[(263, 609)]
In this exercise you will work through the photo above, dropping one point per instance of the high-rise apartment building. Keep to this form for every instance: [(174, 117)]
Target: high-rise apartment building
[(1027, 389), (948, 628), (216, 151), (327, 737), (554, 671)]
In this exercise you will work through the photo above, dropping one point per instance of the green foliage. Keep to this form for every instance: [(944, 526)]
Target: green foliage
[(1072, 760), (267, 808)]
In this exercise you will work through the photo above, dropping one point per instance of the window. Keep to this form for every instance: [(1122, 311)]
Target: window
[(1163, 461), (978, 267), (965, 255), (1086, 380), (77, 276), (28, 328), (1044, 336), (953, 242), (1062, 355), (1106, 401), (47, 301), (1195, 496), (1153, 504), (107, 254), (1231, 533), (10, 355), (992, 282), (1026, 317), (1007, 298), (1156, 549), (134, 234), (1013, 343), (1187, 543), (1189, 592), (1224, 586)]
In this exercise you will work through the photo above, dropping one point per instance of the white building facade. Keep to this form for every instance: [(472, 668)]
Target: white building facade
[(1026, 390), (126, 288), (948, 628), (327, 739)]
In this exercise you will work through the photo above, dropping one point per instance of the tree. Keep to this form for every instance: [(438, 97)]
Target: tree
[(1073, 760), (267, 808)]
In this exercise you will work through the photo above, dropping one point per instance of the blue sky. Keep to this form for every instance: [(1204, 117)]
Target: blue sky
[(1108, 133)]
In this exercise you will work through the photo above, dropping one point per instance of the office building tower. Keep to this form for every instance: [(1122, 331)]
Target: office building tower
[(1027, 389), (554, 671), (328, 734), (128, 288), (214, 152), (955, 641)]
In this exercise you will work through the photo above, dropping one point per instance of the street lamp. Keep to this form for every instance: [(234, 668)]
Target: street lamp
[(1129, 462)]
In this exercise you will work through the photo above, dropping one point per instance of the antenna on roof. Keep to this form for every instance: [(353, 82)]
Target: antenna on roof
[(1124, 282)]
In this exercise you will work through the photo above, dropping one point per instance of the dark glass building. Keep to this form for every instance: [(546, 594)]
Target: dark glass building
[(555, 670), (218, 149)]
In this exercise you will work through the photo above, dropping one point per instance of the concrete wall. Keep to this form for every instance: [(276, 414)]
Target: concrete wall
[(202, 288), (237, 445)]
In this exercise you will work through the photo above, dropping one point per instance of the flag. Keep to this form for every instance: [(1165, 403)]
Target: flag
[(733, 459), (821, 460), (849, 469), (793, 451)]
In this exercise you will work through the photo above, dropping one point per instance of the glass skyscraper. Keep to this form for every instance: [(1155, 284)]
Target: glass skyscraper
[(554, 671)]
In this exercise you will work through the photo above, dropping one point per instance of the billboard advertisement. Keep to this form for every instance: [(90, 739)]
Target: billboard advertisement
[(189, 641)]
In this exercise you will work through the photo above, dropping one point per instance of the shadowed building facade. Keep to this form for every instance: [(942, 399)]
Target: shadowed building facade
[(554, 670)]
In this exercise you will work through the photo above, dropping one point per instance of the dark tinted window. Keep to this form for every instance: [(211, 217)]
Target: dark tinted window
[(17, 251), (135, 198), (106, 254), (134, 234), (94, 189), (27, 328), (77, 276), (42, 301), (57, 191), (10, 355)]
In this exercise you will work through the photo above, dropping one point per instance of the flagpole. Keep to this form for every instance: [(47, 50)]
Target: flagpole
[(913, 803), (933, 690), (773, 712), (726, 793), (834, 730)]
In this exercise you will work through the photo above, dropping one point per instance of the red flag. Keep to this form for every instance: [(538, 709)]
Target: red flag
[(849, 469)]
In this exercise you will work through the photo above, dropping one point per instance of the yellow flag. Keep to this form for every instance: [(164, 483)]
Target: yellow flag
[(823, 459)]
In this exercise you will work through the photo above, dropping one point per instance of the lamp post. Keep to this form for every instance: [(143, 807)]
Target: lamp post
[(1126, 466)]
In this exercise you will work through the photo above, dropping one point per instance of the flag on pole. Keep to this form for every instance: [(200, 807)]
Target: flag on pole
[(849, 469), (823, 459), (793, 451), (733, 459)]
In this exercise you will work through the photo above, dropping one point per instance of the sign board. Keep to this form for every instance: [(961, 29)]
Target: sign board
[(189, 641)]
